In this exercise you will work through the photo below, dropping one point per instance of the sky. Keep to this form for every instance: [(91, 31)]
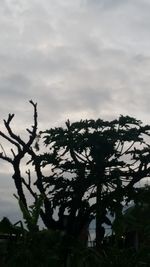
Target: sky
[(76, 59)]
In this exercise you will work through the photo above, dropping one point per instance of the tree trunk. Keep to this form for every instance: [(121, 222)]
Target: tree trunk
[(100, 231)]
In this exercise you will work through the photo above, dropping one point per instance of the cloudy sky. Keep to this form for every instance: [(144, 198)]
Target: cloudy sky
[(77, 59)]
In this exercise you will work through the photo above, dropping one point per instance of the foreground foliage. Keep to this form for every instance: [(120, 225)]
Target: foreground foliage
[(54, 249), (47, 248)]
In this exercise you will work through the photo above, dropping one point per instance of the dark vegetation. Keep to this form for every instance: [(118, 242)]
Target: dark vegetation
[(87, 170)]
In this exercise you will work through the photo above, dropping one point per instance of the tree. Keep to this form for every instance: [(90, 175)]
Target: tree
[(105, 160), (137, 219), (87, 170)]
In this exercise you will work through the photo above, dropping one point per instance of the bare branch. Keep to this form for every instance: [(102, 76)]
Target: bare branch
[(3, 150), (29, 177), (13, 152), (33, 133), (128, 149), (10, 140), (6, 158), (12, 135), (29, 188), (16, 137), (30, 132), (10, 117)]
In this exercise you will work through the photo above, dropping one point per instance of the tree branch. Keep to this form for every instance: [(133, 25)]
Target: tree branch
[(28, 186), (10, 140), (6, 158)]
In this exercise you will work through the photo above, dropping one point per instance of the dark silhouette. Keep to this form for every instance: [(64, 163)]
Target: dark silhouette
[(92, 166)]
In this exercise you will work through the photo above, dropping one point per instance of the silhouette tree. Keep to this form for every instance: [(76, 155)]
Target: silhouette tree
[(19, 151), (88, 168), (95, 165)]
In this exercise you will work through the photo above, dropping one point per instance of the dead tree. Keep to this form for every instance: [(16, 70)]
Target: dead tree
[(21, 149)]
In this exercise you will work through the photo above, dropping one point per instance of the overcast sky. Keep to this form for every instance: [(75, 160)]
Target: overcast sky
[(77, 59)]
